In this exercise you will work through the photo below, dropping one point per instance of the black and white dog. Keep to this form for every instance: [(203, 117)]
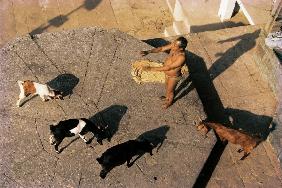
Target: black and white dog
[(73, 127), (121, 153)]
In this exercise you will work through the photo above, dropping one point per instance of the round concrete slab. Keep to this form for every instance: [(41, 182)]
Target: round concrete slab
[(92, 66)]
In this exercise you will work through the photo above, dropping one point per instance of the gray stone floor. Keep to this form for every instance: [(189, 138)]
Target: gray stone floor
[(93, 67)]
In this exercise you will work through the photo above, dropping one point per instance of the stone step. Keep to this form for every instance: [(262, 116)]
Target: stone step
[(169, 31), (171, 5), (181, 27)]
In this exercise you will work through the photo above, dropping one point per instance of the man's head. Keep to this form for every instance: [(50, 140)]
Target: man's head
[(181, 42)]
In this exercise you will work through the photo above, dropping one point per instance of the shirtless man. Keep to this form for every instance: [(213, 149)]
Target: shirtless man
[(172, 66)]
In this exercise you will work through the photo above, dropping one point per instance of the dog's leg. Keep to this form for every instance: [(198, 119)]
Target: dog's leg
[(21, 97), (42, 97), (240, 150), (245, 155), (100, 140), (103, 173), (57, 146), (83, 138), (128, 163)]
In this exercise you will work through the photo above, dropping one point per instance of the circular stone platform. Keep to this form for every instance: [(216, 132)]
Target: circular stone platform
[(92, 66)]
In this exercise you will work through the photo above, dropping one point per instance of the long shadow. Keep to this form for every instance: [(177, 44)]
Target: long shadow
[(64, 147), (228, 58), (215, 26), (109, 119), (61, 19), (214, 109), (250, 123), (65, 83), (124, 152)]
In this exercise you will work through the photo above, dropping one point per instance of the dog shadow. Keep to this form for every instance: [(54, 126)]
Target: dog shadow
[(155, 136), (64, 83), (117, 155), (64, 147), (121, 153), (252, 124), (125, 152), (109, 120), (26, 99)]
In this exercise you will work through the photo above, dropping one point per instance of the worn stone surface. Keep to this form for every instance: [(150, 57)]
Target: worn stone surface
[(142, 19), (247, 96), (92, 66)]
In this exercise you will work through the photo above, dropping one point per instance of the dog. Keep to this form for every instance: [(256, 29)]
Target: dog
[(121, 153), (28, 87), (247, 142), (72, 127)]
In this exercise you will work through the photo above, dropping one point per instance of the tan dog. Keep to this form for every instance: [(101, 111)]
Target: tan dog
[(248, 143), (28, 87)]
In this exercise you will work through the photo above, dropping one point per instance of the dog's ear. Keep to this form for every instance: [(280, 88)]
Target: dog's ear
[(99, 159), (51, 127)]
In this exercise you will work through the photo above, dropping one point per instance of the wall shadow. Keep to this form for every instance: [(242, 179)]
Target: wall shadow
[(215, 26), (252, 124), (65, 83), (109, 119), (61, 19)]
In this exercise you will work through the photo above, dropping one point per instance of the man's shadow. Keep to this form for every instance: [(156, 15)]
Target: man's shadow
[(109, 119), (121, 153), (228, 58), (64, 83)]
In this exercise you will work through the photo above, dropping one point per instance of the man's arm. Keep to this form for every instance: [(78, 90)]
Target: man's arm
[(156, 50), (177, 63)]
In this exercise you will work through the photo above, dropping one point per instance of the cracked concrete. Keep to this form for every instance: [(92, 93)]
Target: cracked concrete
[(98, 62)]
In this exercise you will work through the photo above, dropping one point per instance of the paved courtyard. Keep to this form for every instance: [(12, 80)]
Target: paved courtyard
[(92, 66)]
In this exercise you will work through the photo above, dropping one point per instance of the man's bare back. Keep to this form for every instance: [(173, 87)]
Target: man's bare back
[(172, 66)]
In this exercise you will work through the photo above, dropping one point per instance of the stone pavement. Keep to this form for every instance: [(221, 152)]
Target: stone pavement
[(142, 18), (244, 91), (93, 67), (234, 86)]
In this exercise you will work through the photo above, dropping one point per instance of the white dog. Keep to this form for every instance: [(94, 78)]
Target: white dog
[(28, 87)]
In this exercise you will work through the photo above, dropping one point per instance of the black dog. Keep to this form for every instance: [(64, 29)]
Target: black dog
[(73, 127), (121, 153)]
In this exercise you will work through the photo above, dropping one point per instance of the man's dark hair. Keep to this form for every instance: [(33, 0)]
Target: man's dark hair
[(182, 42)]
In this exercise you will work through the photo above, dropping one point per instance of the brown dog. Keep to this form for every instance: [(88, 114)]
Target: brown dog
[(248, 143)]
